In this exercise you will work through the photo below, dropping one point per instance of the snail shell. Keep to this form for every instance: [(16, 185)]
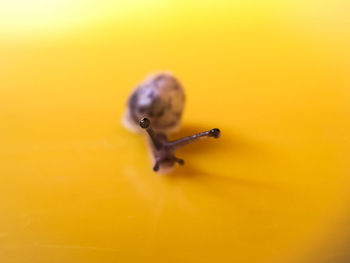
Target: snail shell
[(159, 98)]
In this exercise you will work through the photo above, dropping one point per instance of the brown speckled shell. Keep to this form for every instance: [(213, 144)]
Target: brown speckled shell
[(161, 99)]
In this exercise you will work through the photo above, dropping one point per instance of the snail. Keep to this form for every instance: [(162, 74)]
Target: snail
[(156, 107)]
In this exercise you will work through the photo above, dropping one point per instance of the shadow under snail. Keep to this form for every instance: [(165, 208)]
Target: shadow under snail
[(156, 106)]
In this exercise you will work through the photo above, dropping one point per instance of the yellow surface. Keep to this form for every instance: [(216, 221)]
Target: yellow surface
[(274, 76)]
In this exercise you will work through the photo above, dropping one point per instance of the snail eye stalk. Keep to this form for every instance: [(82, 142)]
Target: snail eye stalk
[(146, 124), (215, 133)]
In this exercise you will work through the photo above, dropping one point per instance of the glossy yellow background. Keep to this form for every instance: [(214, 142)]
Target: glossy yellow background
[(274, 76)]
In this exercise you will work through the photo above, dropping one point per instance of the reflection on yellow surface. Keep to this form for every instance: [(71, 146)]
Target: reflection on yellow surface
[(272, 75)]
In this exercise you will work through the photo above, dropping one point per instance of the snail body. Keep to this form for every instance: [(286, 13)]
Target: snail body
[(156, 106)]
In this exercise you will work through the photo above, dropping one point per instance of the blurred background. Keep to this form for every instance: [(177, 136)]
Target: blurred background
[(273, 75)]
